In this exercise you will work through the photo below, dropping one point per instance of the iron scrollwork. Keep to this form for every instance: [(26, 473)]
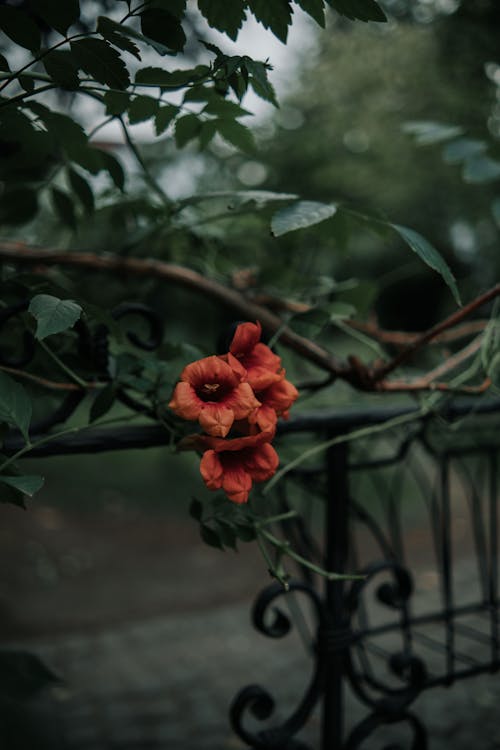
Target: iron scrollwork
[(256, 699), (92, 350)]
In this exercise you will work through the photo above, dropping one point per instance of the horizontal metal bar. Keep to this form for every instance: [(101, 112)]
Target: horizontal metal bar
[(98, 439)]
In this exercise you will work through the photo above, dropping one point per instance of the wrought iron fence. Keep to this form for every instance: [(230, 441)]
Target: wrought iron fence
[(439, 477)]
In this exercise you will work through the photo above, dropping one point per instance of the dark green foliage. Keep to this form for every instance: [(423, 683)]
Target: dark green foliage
[(142, 108), (15, 404), (163, 27), (363, 10), (164, 117), (276, 16), (59, 15), (224, 16), (62, 68), (18, 205), (315, 8), (102, 402), (64, 207), (187, 128), (20, 27), (53, 315), (101, 61), (117, 35)]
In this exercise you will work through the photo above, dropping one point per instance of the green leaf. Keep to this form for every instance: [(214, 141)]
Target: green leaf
[(300, 215), (225, 109), (63, 130), (88, 157), (27, 83), (163, 27), (461, 149), (27, 484), (186, 129), (20, 27), (101, 61), (315, 9), (236, 134), (164, 117), (142, 108), (362, 10), (206, 134), (15, 405), (196, 509), (82, 189), (176, 7), (115, 170), (259, 80), (62, 68), (224, 16), (116, 102), (18, 205), (103, 402), (4, 65), (210, 537), (430, 256), (168, 79), (63, 206), (310, 323), (341, 311), (428, 133), (59, 15), (115, 34), (479, 169), (245, 532), (226, 533), (276, 15), (53, 315)]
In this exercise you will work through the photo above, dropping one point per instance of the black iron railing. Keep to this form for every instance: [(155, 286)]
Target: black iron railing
[(435, 477)]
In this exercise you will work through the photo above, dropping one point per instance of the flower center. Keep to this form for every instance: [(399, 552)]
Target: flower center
[(211, 391), (210, 387)]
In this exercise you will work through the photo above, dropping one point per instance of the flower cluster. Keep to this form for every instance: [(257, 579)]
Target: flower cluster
[(237, 399)]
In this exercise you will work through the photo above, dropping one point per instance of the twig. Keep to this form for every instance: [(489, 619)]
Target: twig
[(381, 372), (403, 338), (52, 384), (429, 382), (21, 253)]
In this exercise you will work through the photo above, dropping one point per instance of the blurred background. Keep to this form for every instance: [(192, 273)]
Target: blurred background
[(105, 574)]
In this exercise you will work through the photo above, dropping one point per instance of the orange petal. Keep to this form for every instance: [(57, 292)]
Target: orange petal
[(235, 365), (265, 416), (245, 338), (185, 403), (216, 419), (280, 395), (211, 470), (219, 445), (236, 483), (263, 462), (211, 369), (242, 401)]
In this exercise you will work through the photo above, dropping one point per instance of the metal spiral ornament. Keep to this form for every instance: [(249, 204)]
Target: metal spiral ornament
[(255, 699)]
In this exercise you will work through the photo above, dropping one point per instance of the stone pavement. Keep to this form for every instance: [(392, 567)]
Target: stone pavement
[(166, 683)]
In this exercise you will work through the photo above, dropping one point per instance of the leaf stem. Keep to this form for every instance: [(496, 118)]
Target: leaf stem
[(63, 366), (286, 549), (43, 54)]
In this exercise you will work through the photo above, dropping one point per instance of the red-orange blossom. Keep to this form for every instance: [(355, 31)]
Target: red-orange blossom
[(244, 391)]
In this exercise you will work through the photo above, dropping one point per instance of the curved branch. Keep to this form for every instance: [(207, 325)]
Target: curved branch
[(21, 253)]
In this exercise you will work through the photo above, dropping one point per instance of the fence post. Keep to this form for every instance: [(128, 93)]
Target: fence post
[(336, 549)]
